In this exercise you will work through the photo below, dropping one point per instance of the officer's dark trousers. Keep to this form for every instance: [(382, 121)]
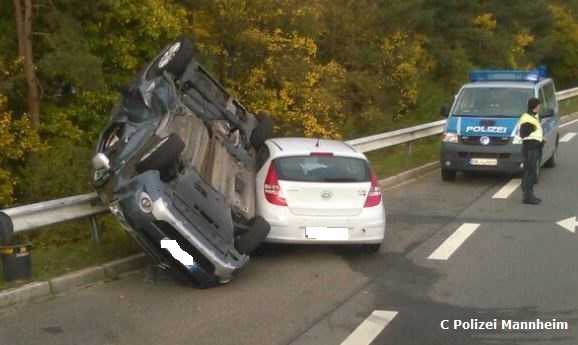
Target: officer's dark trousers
[(531, 158)]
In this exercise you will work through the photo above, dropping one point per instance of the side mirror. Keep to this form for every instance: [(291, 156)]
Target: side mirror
[(444, 111), (100, 161)]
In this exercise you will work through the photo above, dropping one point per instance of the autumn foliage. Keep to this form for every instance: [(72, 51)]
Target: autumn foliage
[(324, 68)]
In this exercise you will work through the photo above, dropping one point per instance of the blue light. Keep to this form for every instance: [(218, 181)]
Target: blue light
[(543, 70), (506, 75)]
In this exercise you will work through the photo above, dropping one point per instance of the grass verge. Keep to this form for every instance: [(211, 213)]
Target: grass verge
[(55, 259), (394, 160)]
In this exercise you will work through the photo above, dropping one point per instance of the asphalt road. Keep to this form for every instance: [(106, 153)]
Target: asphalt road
[(513, 263)]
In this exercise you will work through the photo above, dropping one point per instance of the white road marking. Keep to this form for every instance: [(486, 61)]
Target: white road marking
[(505, 191), (568, 224), (568, 123), (446, 249), (370, 328), (566, 138)]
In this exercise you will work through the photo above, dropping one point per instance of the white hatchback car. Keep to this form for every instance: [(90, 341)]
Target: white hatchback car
[(319, 191)]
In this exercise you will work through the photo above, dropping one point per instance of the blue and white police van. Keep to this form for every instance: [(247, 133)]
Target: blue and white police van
[(481, 131)]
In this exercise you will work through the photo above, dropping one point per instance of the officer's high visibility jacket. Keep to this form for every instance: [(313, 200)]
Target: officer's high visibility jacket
[(529, 121)]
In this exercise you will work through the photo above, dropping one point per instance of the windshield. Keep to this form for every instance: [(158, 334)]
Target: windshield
[(322, 169), (498, 102)]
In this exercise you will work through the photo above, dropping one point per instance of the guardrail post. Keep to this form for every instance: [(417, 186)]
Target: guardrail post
[(409, 149), (94, 230)]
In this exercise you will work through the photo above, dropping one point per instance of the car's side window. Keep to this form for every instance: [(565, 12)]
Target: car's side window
[(542, 99)]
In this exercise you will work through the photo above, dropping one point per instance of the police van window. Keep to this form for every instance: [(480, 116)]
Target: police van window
[(493, 102), (550, 96), (542, 99), (465, 103)]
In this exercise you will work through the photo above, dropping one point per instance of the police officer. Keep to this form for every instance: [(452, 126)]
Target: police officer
[(532, 141)]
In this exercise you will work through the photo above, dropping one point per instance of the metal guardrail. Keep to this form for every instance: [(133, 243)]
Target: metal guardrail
[(32, 216), (565, 94), (400, 136)]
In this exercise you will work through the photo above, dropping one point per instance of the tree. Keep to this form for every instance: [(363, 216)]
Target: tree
[(405, 64), (87, 50), (17, 139), (23, 16), (263, 51), (563, 59)]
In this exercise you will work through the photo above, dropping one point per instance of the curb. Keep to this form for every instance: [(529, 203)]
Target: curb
[(73, 280)]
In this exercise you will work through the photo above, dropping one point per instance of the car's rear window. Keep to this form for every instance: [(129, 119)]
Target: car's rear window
[(322, 169)]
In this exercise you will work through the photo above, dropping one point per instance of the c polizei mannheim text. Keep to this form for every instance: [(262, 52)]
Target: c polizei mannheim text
[(495, 324)]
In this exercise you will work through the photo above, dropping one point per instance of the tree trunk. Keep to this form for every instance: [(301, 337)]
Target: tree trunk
[(23, 15)]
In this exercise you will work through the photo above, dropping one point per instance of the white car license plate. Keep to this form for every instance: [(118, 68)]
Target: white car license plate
[(325, 233), (484, 161)]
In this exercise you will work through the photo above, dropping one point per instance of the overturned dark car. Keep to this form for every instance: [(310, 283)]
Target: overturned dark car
[(176, 164)]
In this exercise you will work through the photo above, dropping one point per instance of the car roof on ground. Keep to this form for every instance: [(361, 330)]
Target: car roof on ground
[(300, 146)]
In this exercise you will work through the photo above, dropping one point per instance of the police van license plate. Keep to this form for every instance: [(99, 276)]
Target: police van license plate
[(484, 161)]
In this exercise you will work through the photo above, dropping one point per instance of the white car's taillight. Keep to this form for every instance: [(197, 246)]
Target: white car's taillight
[(273, 192), (374, 195)]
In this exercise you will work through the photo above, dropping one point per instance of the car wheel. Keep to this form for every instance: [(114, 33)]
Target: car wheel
[(551, 162), (448, 175), (263, 130), (173, 59), (163, 155), (249, 241)]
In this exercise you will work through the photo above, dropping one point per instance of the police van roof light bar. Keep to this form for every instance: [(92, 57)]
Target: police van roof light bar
[(506, 75)]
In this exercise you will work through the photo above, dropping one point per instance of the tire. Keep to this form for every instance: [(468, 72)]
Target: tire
[(174, 59), (165, 155), (551, 162), (448, 175), (263, 130), (250, 240)]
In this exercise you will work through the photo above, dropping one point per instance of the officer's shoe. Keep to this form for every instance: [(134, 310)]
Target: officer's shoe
[(531, 200)]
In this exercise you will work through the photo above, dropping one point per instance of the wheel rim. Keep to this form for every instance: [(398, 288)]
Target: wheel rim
[(169, 54)]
